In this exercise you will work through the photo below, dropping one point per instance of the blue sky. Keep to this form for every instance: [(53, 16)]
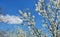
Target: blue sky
[(11, 7)]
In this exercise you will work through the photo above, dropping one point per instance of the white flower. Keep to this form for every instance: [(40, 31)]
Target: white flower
[(35, 4), (29, 13), (29, 23), (33, 16), (49, 6), (39, 13), (25, 14), (51, 19), (20, 12), (44, 25), (50, 27), (36, 9), (44, 10)]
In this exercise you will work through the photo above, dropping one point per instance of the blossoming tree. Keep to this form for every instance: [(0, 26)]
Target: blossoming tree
[(50, 13)]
